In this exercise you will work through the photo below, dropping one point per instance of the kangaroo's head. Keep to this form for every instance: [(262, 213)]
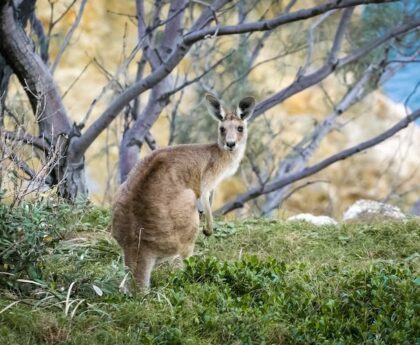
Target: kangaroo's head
[(232, 125)]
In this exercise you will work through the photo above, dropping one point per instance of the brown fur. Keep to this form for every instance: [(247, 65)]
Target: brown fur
[(154, 211)]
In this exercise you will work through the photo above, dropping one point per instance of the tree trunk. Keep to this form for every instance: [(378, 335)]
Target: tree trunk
[(64, 168), (128, 157), (74, 182), (26, 9)]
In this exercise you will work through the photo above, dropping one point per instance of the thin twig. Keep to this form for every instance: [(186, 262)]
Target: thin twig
[(68, 37), (277, 184), (76, 79)]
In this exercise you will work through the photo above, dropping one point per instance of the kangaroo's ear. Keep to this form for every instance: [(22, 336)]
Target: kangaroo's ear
[(215, 108), (246, 108)]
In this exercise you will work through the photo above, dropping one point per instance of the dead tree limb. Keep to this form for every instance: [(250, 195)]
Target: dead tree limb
[(302, 152), (54, 124), (26, 138), (32, 73), (276, 184), (197, 33), (329, 67), (68, 37)]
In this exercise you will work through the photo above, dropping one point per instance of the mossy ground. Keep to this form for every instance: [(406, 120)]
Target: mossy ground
[(255, 281)]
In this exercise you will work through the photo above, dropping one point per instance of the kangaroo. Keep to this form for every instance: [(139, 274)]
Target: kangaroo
[(154, 213)]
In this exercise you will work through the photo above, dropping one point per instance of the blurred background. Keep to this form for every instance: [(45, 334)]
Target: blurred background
[(353, 102)]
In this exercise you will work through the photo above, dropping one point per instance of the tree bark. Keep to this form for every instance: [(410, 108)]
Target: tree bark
[(297, 160), (26, 9), (68, 145), (66, 170), (134, 137), (197, 33)]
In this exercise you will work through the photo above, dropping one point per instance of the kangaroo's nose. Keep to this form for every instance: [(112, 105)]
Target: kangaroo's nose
[(230, 144)]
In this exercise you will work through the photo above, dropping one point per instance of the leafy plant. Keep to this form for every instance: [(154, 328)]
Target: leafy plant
[(257, 282)]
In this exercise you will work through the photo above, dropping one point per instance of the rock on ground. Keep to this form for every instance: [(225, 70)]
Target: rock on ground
[(368, 210), (310, 218)]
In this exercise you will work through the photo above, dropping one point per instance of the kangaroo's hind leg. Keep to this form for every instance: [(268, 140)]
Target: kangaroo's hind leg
[(139, 259), (185, 217), (188, 246), (146, 260), (130, 256)]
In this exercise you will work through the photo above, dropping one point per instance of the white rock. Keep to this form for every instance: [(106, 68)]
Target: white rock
[(367, 210), (310, 218)]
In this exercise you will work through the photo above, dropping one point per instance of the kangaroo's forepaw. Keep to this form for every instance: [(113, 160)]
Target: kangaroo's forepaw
[(208, 231)]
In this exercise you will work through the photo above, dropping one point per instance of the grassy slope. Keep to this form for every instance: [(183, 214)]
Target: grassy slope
[(255, 282)]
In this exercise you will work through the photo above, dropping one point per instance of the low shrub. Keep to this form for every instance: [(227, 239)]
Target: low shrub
[(257, 282), (30, 232)]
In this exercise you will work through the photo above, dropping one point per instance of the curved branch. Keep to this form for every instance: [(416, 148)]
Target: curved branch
[(269, 24), (330, 66), (194, 80), (21, 164), (33, 75), (68, 37), (26, 138), (274, 185), (81, 144), (303, 151), (339, 36)]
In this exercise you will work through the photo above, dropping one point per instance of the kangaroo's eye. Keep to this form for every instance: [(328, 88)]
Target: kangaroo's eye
[(222, 129), (240, 129)]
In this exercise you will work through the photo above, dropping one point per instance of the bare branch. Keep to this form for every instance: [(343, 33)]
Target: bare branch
[(76, 79), (68, 37), (342, 26), (113, 80), (311, 30), (303, 185), (42, 38), (61, 16), (141, 23), (412, 93), (33, 75), (264, 37), (129, 16), (194, 80), (303, 151), (82, 143), (208, 14), (173, 27), (258, 64), (26, 138), (306, 81), (269, 24), (274, 185), (152, 110), (255, 169), (290, 5), (22, 165), (151, 142)]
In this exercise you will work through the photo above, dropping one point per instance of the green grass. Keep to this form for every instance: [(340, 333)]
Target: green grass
[(254, 282)]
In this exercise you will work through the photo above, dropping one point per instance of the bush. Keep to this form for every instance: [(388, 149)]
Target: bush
[(31, 231)]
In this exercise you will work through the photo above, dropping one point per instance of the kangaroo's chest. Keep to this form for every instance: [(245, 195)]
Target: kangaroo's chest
[(228, 169)]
